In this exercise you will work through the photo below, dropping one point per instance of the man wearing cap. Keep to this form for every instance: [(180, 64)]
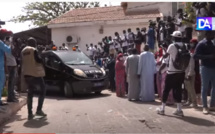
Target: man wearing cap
[(34, 72), (3, 49), (174, 78), (205, 52)]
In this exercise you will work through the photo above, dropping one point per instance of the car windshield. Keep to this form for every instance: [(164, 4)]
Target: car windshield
[(75, 58)]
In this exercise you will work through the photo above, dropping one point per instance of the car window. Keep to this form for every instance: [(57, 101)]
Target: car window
[(52, 62), (75, 58)]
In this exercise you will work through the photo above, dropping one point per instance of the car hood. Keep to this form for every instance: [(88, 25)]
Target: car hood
[(84, 67)]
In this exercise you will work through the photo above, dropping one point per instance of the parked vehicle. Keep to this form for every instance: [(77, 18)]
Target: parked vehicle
[(73, 73)]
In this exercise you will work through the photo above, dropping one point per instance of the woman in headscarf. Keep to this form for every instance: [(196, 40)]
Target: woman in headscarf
[(120, 76)]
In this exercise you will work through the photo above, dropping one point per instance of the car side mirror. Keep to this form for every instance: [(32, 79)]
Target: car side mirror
[(60, 63)]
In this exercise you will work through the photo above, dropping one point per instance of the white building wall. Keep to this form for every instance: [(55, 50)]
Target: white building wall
[(164, 7), (90, 34)]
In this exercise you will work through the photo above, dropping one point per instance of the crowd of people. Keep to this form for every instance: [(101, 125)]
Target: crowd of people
[(180, 71), (172, 73), (21, 56)]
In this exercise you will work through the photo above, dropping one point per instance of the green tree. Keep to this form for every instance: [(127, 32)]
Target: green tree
[(40, 13), (191, 16), (188, 7)]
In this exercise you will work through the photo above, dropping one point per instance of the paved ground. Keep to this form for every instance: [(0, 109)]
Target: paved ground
[(107, 114), (7, 111)]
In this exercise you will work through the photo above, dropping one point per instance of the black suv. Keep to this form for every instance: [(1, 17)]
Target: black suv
[(73, 73)]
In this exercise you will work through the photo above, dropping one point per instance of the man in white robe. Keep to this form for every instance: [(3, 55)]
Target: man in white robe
[(146, 71), (131, 67)]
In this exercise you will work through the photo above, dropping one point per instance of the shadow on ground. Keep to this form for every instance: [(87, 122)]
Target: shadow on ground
[(195, 120), (6, 126), (57, 96), (36, 123)]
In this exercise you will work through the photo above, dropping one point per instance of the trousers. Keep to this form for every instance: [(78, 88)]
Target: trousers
[(138, 47), (11, 82), (174, 82), (32, 84), (190, 86), (207, 76), (2, 82)]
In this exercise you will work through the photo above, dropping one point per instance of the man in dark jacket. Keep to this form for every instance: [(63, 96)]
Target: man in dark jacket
[(205, 52), (111, 68), (138, 40)]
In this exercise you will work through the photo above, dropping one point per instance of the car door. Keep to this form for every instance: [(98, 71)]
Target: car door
[(53, 69)]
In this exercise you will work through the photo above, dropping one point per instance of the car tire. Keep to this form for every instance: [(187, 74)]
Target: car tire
[(68, 92), (98, 92)]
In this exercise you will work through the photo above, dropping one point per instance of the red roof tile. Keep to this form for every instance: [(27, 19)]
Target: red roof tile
[(100, 14)]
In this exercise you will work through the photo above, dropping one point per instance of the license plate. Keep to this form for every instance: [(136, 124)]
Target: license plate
[(98, 84)]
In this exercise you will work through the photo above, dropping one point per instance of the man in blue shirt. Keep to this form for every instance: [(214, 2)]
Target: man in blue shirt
[(205, 52), (3, 49), (151, 37)]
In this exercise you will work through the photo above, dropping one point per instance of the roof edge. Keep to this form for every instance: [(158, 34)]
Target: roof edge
[(89, 23), (79, 9)]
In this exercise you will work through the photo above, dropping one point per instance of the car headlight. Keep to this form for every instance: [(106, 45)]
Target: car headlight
[(103, 71), (79, 73)]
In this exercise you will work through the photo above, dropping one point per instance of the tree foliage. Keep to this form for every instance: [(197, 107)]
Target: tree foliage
[(188, 7), (40, 13)]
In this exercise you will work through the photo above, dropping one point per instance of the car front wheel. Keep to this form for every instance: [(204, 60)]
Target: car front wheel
[(68, 92)]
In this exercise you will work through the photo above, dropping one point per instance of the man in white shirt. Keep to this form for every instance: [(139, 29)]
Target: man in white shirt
[(111, 46), (131, 37), (92, 51), (64, 47), (117, 42), (100, 47), (11, 66), (179, 24), (174, 78), (97, 51)]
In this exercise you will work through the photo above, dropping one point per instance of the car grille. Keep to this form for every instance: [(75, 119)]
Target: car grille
[(94, 74)]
